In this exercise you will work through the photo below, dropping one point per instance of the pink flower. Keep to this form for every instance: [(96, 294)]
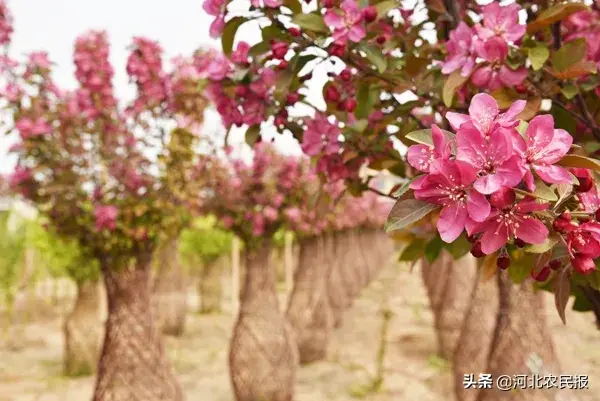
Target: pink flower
[(215, 66), (216, 8), (320, 136), (267, 3), (461, 51), (216, 27), (12, 92), (583, 264), (39, 60), (510, 220), (227, 221), (501, 21), (19, 175), (347, 26), (6, 24), (258, 225), (31, 128), (495, 73), (270, 213), (491, 157), (421, 156), (544, 145), (585, 240), (485, 115), (293, 214), (448, 185), (240, 54), (590, 199), (106, 217)]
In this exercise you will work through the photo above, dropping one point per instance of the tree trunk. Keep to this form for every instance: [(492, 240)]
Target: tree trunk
[(337, 292), (133, 364), (210, 286), (522, 342), (170, 295), (475, 341), (308, 309), (350, 277), (263, 356), (83, 331), (449, 284)]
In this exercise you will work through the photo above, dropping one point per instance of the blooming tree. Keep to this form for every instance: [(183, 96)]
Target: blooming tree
[(393, 68)]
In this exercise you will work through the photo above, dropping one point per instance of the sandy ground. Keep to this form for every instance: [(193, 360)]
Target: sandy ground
[(412, 369)]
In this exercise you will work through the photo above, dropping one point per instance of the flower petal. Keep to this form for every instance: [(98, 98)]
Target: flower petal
[(478, 206), (483, 111), (531, 230), (494, 237), (482, 76), (539, 134), (452, 221), (457, 119), (560, 145), (510, 77), (489, 184), (419, 156), (332, 19), (440, 143), (553, 174), (471, 146), (508, 119)]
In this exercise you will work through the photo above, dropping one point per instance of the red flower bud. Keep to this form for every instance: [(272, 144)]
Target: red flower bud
[(346, 75), (555, 264), (471, 239), (369, 13), (337, 49), (503, 198), (598, 214), (328, 3), (563, 223), (292, 98), (503, 262), (521, 88), (332, 94), (295, 32), (585, 184), (350, 105), (282, 65), (542, 275), (380, 40), (519, 243), (476, 250), (583, 264), (279, 49), (241, 91)]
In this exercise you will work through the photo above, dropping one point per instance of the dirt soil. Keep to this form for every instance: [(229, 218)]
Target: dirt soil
[(412, 371)]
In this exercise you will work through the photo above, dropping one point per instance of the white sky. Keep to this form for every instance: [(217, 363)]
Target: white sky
[(181, 26)]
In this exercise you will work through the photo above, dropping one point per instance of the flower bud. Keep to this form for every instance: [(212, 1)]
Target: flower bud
[(584, 177), (292, 98), (279, 49), (476, 250), (597, 214), (350, 105), (542, 275), (346, 75), (503, 262), (563, 223), (369, 13), (328, 3), (282, 65), (295, 32), (502, 198), (555, 264), (337, 49), (241, 91), (521, 88), (583, 264), (380, 40), (332, 94)]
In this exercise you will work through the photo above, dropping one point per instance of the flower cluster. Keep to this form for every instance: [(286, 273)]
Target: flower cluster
[(490, 42)]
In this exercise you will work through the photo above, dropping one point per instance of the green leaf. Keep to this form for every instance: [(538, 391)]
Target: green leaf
[(579, 161), (454, 81), (271, 32), (413, 251), (542, 191), (522, 127), (293, 5), (385, 6), (310, 22), (260, 48), (229, 32), (554, 14), (522, 263), (363, 100), (424, 136), (460, 247), (562, 292), (569, 54), (563, 119), (407, 212), (252, 134), (375, 56), (569, 91), (404, 188), (538, 56), (433, 249), (543, 247)]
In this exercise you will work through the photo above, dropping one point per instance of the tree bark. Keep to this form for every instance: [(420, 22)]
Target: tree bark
[(449, 284), (170, 295), (263, 356), (308, 309), (210, 288), (337, 292), (350, 276), (133, 364), (83, 331)]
